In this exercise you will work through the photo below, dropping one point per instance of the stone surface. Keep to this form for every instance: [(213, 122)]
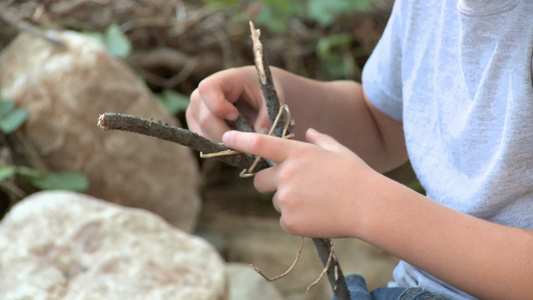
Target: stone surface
[(64, 91), (245, 283), (63, 245)]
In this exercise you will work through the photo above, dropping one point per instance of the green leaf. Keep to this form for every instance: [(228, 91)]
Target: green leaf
[(116, 42), (272, 19), (13, 120), (72, 181), (329, 44), (325, 11), (7, 172), (173, 101), (226, 3), (5, 107), (97, 36), (330, 51), (28, 172)]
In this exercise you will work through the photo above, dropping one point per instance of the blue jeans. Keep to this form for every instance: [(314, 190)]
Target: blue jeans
[(358, 291)]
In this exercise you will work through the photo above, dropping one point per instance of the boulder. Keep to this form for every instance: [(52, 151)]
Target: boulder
[(64, 245), (64, 91)]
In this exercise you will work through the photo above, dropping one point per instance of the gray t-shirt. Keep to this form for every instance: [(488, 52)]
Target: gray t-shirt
[(458, 74)]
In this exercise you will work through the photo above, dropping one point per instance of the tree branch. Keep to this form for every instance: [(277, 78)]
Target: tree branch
[(116, 121), (12, 19), (267, 84), (323, 246)]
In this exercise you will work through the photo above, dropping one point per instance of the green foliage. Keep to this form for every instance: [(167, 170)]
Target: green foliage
[(72, 181), (11, 118), (325, 11), (330, 51), (7, 172), (225, 3), (114, 40), (274, 14), (173, 101)]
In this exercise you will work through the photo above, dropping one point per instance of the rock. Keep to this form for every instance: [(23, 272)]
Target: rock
[(64, 92), (245, 283), (63, 245)]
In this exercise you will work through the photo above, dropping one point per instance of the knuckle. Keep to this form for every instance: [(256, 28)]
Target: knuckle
[(259, 183), (256, 142), (207, 91), (204, 120), (204, 86), (289, 225), (286, 173), (284, 199)]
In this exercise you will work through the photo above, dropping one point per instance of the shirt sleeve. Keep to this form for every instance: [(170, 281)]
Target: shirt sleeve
[(382, 78)]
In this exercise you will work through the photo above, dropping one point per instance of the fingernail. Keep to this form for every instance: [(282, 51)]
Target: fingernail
[(312, 131), (225, 137)]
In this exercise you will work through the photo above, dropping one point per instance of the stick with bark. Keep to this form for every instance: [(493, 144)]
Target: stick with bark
[(323, 246)]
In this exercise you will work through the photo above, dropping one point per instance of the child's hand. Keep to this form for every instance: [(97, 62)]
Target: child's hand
[(317, 186), (215, 101)]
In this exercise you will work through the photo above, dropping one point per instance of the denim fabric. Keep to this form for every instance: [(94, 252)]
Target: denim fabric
[(358, 291)]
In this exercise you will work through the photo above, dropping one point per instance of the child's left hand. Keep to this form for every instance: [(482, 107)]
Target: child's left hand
[(319, 186)]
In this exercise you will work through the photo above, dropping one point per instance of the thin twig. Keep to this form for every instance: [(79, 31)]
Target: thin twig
[(280, 129), (288, 270), (326, 268), (265, 79), (334, 271), (158, 129), (12, 19)]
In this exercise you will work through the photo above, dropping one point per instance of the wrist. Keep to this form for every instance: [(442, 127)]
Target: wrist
[(373, 209)]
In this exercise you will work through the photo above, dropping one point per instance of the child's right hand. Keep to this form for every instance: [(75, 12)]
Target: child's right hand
[(220, 97)]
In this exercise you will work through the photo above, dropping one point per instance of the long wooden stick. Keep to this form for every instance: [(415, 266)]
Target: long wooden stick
[(184, 137), (324, 246)]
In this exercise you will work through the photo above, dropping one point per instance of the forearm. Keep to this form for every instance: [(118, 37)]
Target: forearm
[(487, 260), (340, 109)]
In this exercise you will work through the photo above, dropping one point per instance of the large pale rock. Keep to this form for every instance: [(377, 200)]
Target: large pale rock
[(62, 245), (64, 91)]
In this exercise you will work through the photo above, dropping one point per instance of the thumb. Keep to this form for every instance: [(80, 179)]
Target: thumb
[(322, 140)]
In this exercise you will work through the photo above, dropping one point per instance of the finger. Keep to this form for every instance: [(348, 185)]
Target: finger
[(221, 90), (265, 181), (323, 140), (202, 121), (275, 203), (269, 147), (216, 96), (211, 126), (193, 112)]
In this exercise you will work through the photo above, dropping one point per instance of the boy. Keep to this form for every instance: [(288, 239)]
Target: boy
[(449, 86)]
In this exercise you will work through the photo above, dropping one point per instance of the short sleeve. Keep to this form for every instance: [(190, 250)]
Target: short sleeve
[(382, 78)]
